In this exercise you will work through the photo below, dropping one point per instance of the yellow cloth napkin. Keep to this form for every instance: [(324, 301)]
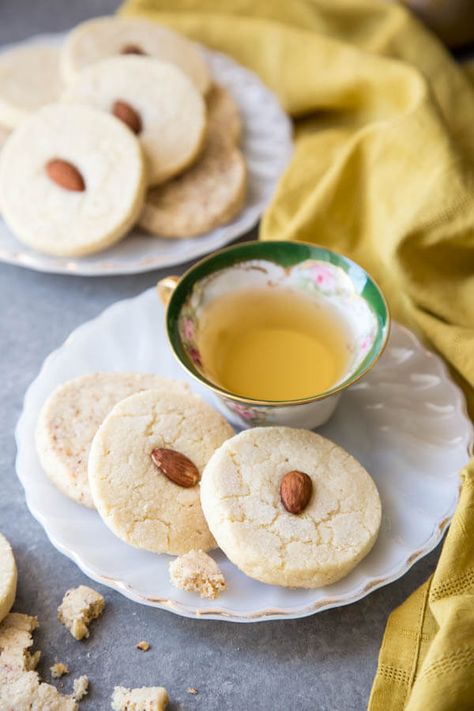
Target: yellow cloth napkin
[(383, 171)]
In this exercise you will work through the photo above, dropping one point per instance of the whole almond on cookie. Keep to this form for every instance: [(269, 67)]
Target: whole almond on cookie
[(128, 115), (65, 174), (176, 466), (295, 491)]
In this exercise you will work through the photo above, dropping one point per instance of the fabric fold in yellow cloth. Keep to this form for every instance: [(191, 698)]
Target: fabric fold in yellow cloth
[(383, 171)]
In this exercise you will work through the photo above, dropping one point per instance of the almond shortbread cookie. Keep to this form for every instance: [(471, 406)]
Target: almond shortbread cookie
[(289, 507), (71, 416), (72, 180), (104, 37), (197, 572), (158, 103), (144, 469), (79, 607), (207, 195), (8, 577), (29, 79), (147, 698)]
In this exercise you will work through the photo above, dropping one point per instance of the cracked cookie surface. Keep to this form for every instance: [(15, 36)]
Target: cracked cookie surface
[(72, 415), (135, 499), (240, 494)]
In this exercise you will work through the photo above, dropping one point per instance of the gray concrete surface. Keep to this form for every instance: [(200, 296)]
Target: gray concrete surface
[(322, 663)]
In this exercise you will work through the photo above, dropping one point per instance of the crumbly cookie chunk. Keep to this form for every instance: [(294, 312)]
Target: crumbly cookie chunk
[(8, 577), (72, 180), (15, 642), (20, 686), (156, 100), (71, 416), (223, 114), (240, 493), (147, 698), (207, 195), (59, 669), (136, 499), (80, 687), (23, 691), (29, 79), (197, 572), (102, 37), (143, 645), (79, 607)]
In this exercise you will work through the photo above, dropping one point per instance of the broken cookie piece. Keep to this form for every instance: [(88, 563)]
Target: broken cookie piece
[(148, 698), (15, 642), (80, 687), (58, 670), (79, 607), (197, 572), (20, 686), (23, 691)]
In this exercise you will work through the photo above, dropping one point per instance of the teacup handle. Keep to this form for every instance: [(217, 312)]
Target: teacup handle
[(165, 288)]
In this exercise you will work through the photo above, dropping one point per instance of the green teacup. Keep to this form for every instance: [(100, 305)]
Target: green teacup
[(326, 277)]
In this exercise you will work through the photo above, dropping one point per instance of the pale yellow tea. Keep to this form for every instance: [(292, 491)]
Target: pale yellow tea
[(273, 344)]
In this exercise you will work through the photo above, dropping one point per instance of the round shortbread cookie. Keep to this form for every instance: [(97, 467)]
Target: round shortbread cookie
[(170, 114), (71, 222), (240, 495), (223, 114), (71, 416), (207, 195), (135, 499), (29, 79), (104, 37), (8, 576)]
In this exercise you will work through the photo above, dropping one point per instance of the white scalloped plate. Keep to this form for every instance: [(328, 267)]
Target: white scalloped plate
[(267, 146), (405, 421)]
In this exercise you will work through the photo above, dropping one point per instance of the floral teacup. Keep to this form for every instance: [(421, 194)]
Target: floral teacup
[(320, 274)]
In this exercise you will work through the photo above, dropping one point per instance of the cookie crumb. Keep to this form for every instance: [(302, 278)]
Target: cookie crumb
[(196, 571), (80, 687), (147, 698), (192, 690), (79, 607), (59, 669), (143, 645)]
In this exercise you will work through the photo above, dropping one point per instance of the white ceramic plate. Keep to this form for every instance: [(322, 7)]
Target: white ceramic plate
[(405, 421), (267, 146)]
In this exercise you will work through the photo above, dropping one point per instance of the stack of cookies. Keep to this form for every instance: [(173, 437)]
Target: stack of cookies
[(121, 126), (167, 474)]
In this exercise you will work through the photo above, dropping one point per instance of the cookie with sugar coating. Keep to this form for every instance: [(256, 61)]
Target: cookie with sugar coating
[(212, 191), (156, 100), (103, 37), (71, 416), (72, 180), (241, 499), (223, 114), (144, 468), (29, 79)]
